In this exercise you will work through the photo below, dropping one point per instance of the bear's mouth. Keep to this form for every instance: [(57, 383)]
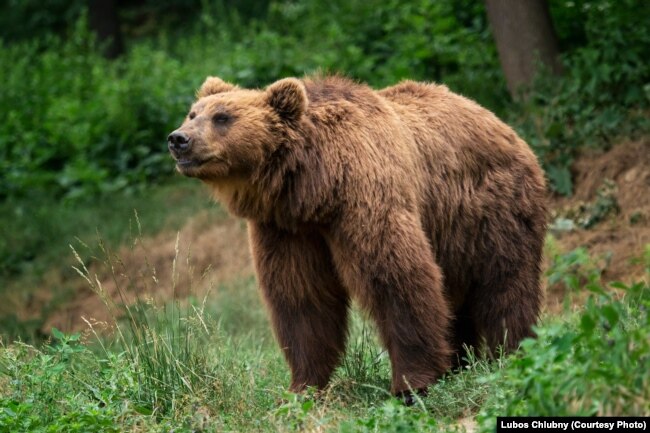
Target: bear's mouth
[(188, 163), (194, 166)]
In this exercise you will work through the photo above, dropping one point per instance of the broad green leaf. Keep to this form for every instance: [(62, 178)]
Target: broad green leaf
[(57, 334)]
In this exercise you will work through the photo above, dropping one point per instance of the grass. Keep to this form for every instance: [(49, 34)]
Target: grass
[(238, 386), (211, 364), (35, 222), (190, 374), (37, 230)]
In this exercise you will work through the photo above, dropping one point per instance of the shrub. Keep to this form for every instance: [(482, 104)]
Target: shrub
[(80, 124), (604, 94), (597, 363)]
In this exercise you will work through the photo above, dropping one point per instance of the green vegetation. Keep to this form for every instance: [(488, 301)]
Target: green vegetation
[(597, 365), (78, 124), (604, 93), (184, 366)]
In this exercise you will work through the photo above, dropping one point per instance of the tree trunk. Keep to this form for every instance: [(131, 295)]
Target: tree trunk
[(525, 39), (104, 21)]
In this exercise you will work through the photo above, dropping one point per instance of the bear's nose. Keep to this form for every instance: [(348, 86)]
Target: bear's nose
[(178, 142)]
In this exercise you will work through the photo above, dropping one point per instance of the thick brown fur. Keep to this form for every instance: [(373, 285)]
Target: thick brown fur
[(413, 201)]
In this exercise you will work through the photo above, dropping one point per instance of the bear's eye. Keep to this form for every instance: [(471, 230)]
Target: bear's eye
[(221, 118), (192, 115)]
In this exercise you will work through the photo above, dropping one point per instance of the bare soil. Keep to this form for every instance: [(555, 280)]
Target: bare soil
[(214, 251), (625, 234), (207, 253)]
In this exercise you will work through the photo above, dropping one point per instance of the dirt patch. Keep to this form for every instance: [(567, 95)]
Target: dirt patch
[(628, 166), (206, 253), (621, 237), (626, 233), (468, 424)]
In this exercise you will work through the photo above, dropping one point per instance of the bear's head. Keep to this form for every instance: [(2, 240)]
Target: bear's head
[(229, 132)]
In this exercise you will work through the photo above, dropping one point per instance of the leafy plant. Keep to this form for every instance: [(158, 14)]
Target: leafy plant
[(296, 412), (575, 269), (603, 95), (79, 124), (58, 389), (596, 364), (393, 416)]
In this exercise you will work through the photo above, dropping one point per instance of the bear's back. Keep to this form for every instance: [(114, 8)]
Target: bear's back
[(455, 135), (481, 181), (327, 89)]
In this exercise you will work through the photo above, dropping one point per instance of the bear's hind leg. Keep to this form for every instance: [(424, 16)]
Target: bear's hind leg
[(307, 304), (508, 309), (390, 269)]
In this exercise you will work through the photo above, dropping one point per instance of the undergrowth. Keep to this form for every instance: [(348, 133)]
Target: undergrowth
[(594, 363), (77, 124), (183, 366), (165, 346)]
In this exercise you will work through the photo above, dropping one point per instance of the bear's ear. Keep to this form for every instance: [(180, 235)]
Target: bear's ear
[(288, 98), (212, 86)]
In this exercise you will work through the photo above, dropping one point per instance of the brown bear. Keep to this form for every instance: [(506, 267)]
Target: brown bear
[(413, 201)]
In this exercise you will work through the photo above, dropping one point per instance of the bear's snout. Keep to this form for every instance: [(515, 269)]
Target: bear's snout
[(179, 143)]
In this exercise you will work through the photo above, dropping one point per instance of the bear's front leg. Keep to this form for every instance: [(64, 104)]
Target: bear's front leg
[(306, 301), (387, 263)]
